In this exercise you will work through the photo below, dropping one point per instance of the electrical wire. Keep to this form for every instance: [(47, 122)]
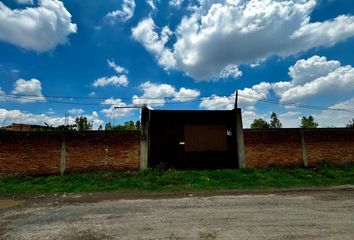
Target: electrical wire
[(164, 101)]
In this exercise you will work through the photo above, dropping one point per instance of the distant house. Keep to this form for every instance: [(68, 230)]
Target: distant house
[(21, 127)]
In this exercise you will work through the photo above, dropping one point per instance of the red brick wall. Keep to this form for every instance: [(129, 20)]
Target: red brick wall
[(283, 147), (103, 151), (264, 148), (334, 146), (22, 153), (41, 152)]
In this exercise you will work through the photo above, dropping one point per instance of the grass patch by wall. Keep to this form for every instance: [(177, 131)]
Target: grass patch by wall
[(171, 180)]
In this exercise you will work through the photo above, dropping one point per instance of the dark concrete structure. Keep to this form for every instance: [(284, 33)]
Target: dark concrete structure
[(197, 139)]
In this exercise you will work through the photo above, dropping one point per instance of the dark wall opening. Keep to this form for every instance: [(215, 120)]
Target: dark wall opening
[(184, 139)]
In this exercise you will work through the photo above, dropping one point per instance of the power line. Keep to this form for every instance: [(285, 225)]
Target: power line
[(299, 105), (164, 101), (84, 97)]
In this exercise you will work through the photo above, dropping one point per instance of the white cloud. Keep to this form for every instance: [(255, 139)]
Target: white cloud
[(50, 112), (94, 119), (249, 116), (123, 15), (185, 95), (121, 80), (326, 118), (313, 77), (215, 102), (290, 119), (306, 70), (116, 67), (231, 71), (346, 105), (113, 112), (175, 3), (336, 118), (28, 90), (17, 116), (39, 28), (155, 43), (247, 97), (29, 2), (224, 32), (155, 94), (151, 3), (114, 80), (76, 111)]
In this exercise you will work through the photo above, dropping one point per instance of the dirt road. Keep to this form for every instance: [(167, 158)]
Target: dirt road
[(325, 214)]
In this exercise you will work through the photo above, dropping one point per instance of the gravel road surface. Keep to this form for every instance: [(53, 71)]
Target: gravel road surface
[(311, 214)]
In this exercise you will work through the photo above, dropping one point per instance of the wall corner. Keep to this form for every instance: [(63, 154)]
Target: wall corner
[(240, 139)]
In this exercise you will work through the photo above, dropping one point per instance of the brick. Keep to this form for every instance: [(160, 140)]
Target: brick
[(36, 153)]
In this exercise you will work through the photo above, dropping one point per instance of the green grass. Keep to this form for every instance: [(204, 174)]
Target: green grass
[(171, 180)]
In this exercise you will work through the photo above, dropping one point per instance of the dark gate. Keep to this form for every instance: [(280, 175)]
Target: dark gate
[(184, 139)]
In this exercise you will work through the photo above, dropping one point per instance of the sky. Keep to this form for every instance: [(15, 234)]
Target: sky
[(69, 58)]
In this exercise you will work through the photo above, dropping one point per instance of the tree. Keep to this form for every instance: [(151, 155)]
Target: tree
[(108, 126), (260, 123), (274, 121), (81, 124), (127, 126), (351, 124), (65, 128), (308, 122), (138, 125)]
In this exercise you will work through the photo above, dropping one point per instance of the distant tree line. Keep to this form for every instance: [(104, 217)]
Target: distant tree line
[(82, 124), (306, 122), (351, 124), (127, 126)]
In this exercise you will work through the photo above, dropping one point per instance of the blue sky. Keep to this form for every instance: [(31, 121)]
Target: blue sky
[(79, 57)]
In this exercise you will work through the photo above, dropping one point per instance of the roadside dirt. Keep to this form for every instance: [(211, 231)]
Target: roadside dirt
[(310, 213), (91, 197)]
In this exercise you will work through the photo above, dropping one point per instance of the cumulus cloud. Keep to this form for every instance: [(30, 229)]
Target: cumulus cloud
[(313, 77), (17, 116), (248, 116), (76, 111), (336, 118), (325, 118), (175, 3), (221, 33), (39, 28), (124, 14), (155, 94), (28, 90), (28, 2), (120, 80), (113, 112), (114, 80), (231, 71), (145, 33), (247, 97), (185, 95)]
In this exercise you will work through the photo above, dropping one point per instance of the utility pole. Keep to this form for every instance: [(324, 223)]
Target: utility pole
[(236, 99), (66, 119)]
